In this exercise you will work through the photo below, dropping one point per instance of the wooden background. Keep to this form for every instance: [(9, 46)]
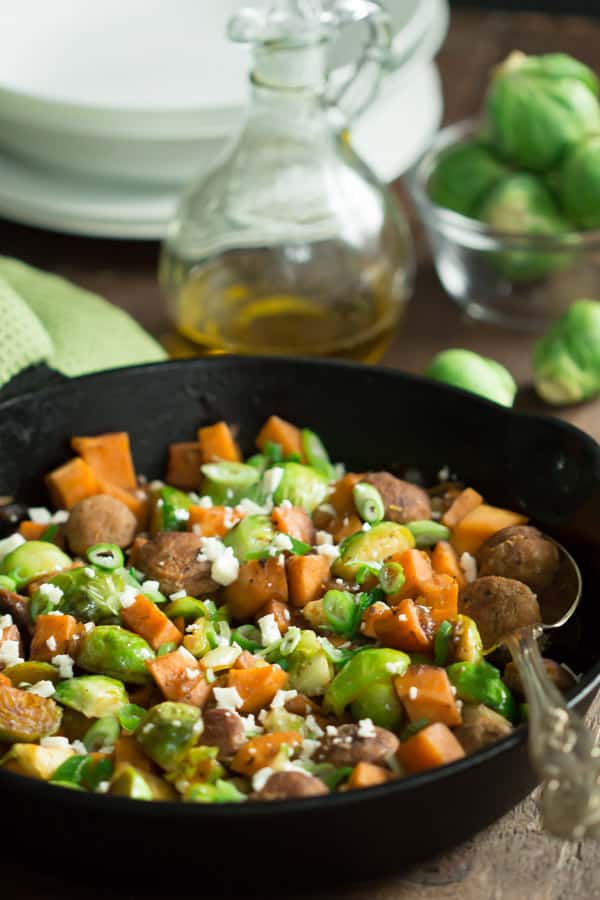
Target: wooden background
[(513, 859)]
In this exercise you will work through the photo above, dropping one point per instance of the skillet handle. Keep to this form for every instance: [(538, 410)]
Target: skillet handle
[(561, 749)]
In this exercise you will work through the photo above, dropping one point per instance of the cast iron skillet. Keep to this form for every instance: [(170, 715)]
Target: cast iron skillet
[(370, 418)]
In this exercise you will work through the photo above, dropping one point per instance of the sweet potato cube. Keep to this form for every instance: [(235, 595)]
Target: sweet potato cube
[(146, 619), (183, 465), (73, 481), (464, 503), (306, 577), (218, 444), (257, 753), (52, 636), (430, 747), (278, 431), (426, 693), (257, 686), (179, 678), (258, 581), (480, 524), (295, 522), (109, 455), (407, 627)]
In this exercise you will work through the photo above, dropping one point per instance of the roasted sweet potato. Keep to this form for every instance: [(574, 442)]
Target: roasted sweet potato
[(444, 560), (407, 627), (146, 619), (258, 582), (366, 774), (109, 455), (214, 521), (295, 522), (306, 577), (426, 693), (257, 686), (464, 503), (183, 465), (257, 753), (432, 746), (218, 444), (52, 636), (278, 431), (72, 482), (179, 678), (480, 524)]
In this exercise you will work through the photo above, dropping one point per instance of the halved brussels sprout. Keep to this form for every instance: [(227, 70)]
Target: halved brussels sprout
[(87, 597), (538, 107), (302, 486), (566, 360), (465, 643), (369, 667), (92, 695), (116, 652), (31, 672), (33, 559), (463, 175), (472, 372), (25, 716), (280, 719), (250, 536), (188, 608), (228, 482), (375, 545), (130, 782), (379, 702), (35, 761), (309, 667), (168, 731), (219, 792)]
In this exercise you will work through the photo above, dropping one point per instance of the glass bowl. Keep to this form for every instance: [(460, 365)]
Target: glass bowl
[(524, 281)]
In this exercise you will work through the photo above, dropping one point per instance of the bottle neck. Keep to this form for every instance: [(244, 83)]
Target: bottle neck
[(294, 70)]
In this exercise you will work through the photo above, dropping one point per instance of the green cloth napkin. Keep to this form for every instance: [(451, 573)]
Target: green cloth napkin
[(44, 318)]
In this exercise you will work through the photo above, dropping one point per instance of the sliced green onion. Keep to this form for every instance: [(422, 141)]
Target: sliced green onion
[(248, 637), (315, 453), (103, 733), (427, 533), (339, 608), (231, 474), (70, 771), (334, 654), (8, 583), (391, 577), (95, 771), (167, 647), (365, 570), (299, 547), (130, 716), (368, 502), (223, 632), (106, 556), (414, 728), (258, 462), (441, 643), (273, 452), (290, 641), (331, 775), (49, 533), (293, 457), (188, 608)]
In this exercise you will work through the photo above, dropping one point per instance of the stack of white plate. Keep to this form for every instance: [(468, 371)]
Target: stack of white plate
[(107, 109)]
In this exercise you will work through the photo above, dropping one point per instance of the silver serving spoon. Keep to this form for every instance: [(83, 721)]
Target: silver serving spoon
[(561, 747)]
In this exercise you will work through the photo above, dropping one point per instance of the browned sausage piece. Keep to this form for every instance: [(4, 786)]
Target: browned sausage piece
[(499, 606), (480, 726), (224, 729), (561, 678), (520, 552), (18, 607), (99, 520), (283, 785), (350, 745), (170, 558), (404, 502)]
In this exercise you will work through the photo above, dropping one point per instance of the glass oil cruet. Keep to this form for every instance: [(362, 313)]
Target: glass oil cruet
[(290, 245)]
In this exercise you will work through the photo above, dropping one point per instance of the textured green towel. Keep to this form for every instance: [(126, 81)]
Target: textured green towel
[(44, 318)]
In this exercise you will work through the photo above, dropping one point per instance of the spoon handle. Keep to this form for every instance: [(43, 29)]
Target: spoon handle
[(561, 748)]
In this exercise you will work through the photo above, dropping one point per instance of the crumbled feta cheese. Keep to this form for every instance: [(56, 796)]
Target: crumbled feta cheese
[(79, 747), (128, 596), (183, 651), (250, 726), (413, 692), (55, 741), (260, 778), (247, 507), (204, 502), (178, 595), (64, 664), (226, 568), (281, 698), (212, 548), (198, 727), (42, 688), (402, 617), (146, 729), (89, 626), (366, 729), (308, 749), (365, 526), (271, 479), (282, 541), (9, 544), (102, 787), (269, 630), (286, 504), (395, 668), (6, 621), (39, 514), (54, 612), (191, 673), (331, 730), (281, 560), (9, 653), (327, 509), (60, 517), (229, 517), (323, 537), (227, 698), (51, 642), (443, 474), (182, 515), (149, 587), (313, 726), (468, 564), (328, 550), (91, 573), (262, 716), (51, 592)]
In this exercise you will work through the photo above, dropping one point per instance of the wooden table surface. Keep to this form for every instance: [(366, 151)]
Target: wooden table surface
[(512, 859)]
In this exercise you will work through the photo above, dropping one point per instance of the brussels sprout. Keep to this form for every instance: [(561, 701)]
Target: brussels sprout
[(252, 535), (102, 734), (522, 204), (201, 639), (31, 672), (219, 792), (367, 668), (302, 486), (538, 107), (92, 695), (463, 175), (580, 184), (472, 372), (25, 716), (228, 482), (566, 360), (379, 702), (116, 652), (280, 719), (309, 667), (375, 545), (131, 782), (33, 559), (197, 764), (35, 761), (465, 644), (168, 731), (171, 510), (87, 597)]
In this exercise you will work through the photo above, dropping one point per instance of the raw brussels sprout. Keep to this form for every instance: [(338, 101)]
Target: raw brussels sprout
[(116, 652), (302, 486), (250, 536), (33, 559), (92, 695), (566, 360), (131, 782), (538, 107), (580, 184), (463, 175), (26, 717), (375, 545), (35, 761), (309, 668), (171, 509), (168, 731), (522, 204), (89, 598), (228, 482), (472, 372)]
